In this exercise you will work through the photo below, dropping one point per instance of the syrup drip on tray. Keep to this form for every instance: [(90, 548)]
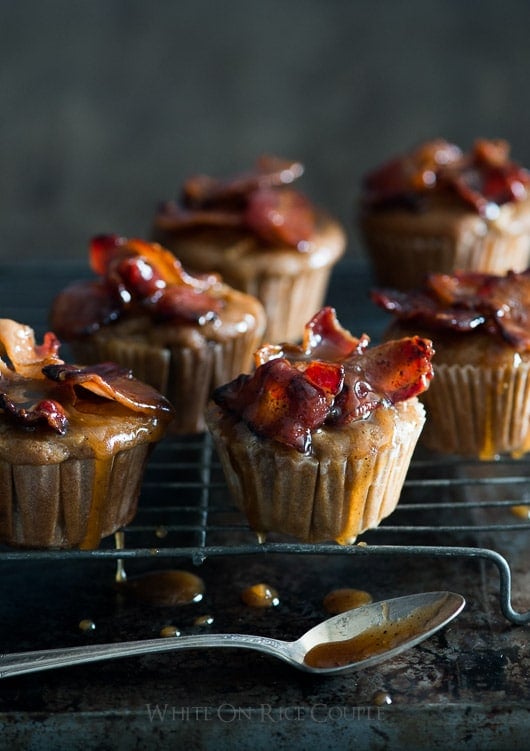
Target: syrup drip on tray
[(260, 596), (166, 588), (341, 600)]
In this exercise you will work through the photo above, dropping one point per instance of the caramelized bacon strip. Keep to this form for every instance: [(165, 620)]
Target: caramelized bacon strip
[(484, 178), (138, 277), (281, 402), (465, 301), (107, 251), (203, 191), (26, 357), (258, 201), (31, 415), (110, 381), (390, 373), (95, 304), (291, 393), (323, 339)]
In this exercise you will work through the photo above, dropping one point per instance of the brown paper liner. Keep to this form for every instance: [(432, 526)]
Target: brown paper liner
[(290, 301), (478, 412), (351, 481), (71, 504)]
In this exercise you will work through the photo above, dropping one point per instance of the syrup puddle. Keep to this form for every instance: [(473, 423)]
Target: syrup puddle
[(165, 588), (340, 600), (260, 596)]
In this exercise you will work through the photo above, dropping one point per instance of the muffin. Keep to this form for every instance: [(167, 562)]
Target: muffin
[(73, 444), (262, 236), (479, 403), (316, 443), (184, 335), (439, 210)]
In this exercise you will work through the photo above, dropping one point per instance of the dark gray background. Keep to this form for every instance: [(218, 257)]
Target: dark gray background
[(107, 105)]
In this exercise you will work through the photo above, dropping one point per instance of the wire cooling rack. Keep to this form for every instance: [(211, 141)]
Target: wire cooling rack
[(449, 508)]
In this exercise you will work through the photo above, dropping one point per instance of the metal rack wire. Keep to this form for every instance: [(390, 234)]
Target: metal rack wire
[(449, 508)]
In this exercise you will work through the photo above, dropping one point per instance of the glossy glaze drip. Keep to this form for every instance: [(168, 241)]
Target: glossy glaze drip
[(260, 596), (100, 487), (166, 588), (168, 631), (119, 541), (87, 625), (340, 600), (203, 620), (380, 698)]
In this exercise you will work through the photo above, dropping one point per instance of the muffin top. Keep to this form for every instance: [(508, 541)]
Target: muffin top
[(42, 398), (261, 203), (329, 380), (483, 179), (143, 283)]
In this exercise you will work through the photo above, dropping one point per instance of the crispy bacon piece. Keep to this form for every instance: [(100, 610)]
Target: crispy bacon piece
[(83, 307), (387, 374), (401, 178), (37, 388), (483, 178), (25, 356), (203, 191), (323, 339), (282, 402), (259, 201), (110, 381), (467, 301), (30, 415), (293, 391), (135, 277), (280, 216)]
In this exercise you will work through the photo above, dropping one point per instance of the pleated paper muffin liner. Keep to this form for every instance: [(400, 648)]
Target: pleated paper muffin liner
[(403, 259), (351, 481), (477, 411), (72, 504)]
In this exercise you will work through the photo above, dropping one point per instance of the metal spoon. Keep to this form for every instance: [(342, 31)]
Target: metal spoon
[(352, 640)]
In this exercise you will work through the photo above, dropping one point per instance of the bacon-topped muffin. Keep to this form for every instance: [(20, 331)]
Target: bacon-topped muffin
[(316, 442), (182, 334), (263, 236), (437, 209), (479, 403), (73, 443)]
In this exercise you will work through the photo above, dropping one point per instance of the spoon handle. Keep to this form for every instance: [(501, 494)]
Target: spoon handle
[(18, 663)]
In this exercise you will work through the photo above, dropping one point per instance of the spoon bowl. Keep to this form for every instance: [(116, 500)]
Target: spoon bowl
[(352, 640)]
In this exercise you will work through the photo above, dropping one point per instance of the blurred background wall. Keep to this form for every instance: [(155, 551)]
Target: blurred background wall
[(108, 105)]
